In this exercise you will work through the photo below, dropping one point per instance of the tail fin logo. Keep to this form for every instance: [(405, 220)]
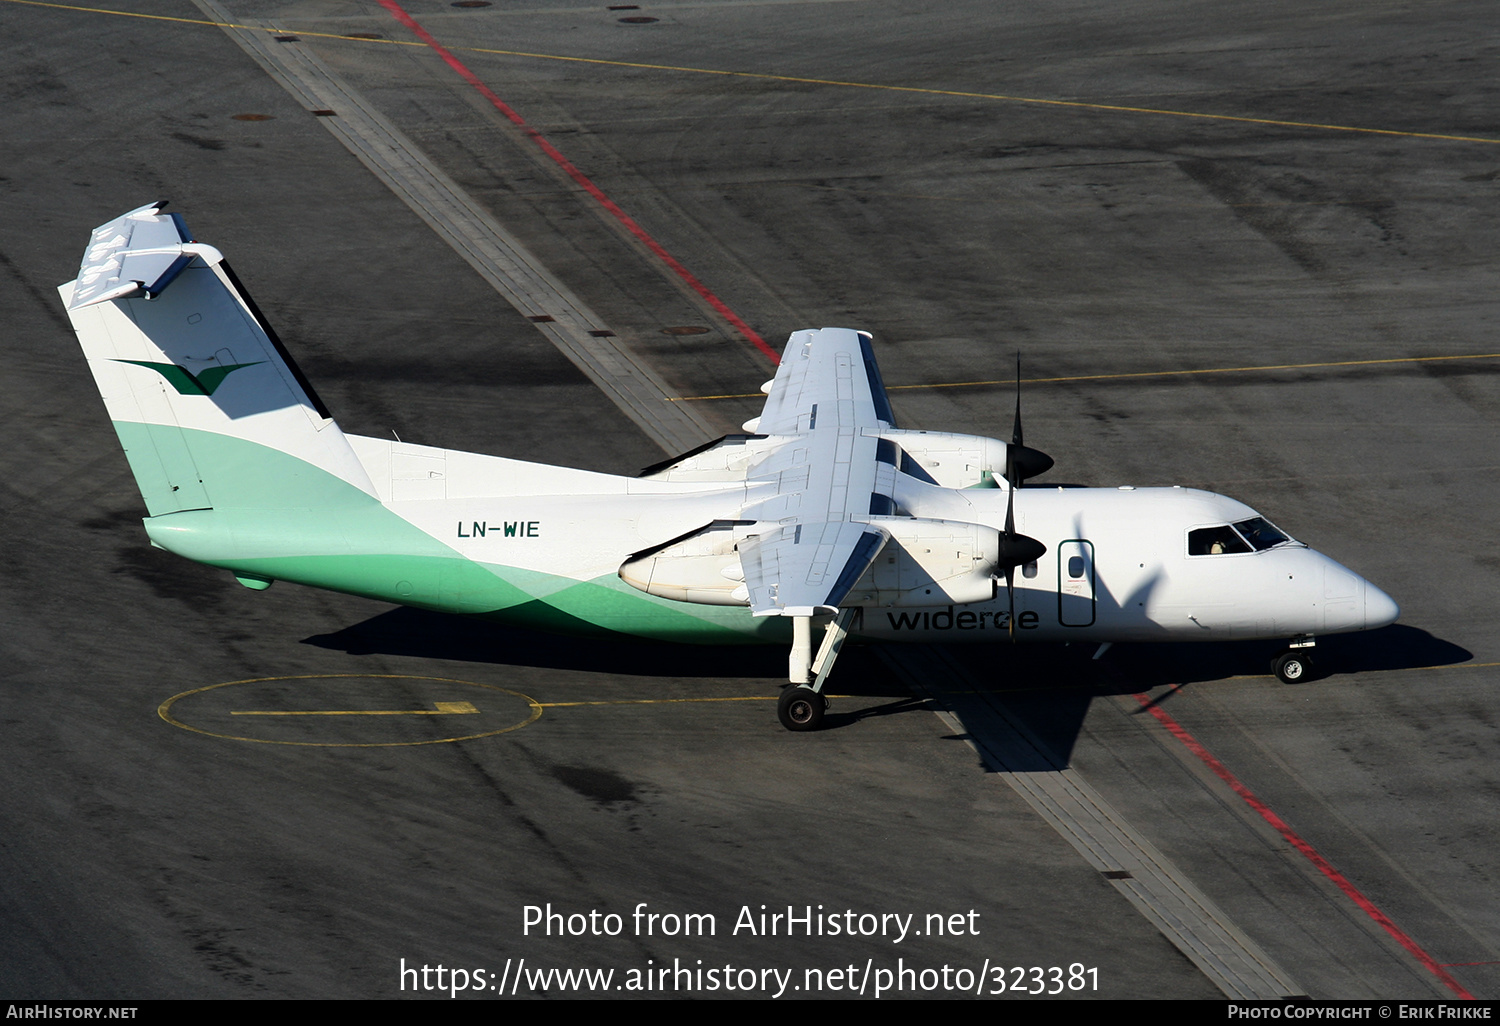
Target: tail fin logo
[(188, 383)]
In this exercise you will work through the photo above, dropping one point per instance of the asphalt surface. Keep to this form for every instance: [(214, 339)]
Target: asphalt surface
[(1266, 303)]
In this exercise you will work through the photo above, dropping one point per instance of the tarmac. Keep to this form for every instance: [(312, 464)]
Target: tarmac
[(1253, 254)]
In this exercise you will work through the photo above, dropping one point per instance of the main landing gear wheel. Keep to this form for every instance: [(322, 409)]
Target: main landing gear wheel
[(801, 708), (1292, 667)]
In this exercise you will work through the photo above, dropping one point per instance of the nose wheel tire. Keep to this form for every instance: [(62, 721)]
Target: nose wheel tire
[(801, 708), (1292, 668)]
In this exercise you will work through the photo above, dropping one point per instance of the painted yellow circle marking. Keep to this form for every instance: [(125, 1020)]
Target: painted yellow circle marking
[(350, 710)]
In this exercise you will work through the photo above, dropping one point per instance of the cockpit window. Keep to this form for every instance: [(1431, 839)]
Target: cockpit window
[(1256, 534), (1261, 533), (1215, 541)]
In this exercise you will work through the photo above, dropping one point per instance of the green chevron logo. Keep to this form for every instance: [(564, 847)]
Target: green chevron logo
[(188, 383)]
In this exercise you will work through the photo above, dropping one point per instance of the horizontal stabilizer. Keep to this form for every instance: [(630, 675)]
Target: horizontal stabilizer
[(138, 253)]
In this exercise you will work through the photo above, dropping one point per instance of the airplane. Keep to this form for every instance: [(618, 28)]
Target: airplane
[(823, 515)]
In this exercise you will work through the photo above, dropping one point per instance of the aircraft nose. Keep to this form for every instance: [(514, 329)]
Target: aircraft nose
[(1380, 608)]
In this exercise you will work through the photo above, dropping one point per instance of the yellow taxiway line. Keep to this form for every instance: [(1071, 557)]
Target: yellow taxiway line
[(1086, 105), (442, 709), (1137, 374)]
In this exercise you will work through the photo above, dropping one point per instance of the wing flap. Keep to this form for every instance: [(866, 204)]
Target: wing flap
[(807, 569)]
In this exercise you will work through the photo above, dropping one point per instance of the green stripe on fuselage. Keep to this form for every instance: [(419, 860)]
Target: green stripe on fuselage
[(279, 517)]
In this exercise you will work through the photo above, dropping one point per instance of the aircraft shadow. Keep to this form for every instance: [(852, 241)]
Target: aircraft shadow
[(1034, 697), (1397, 647), (1038, 696), (427, 635)]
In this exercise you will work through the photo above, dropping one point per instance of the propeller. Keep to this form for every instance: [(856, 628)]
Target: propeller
[(1015, 550), (1020, 463)]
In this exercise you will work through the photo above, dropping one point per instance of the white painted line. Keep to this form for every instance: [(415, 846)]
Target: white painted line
[(497, 255)]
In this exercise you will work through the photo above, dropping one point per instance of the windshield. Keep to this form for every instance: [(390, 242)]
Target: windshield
[(1254, 535), (1215, 541), (1260, 533)]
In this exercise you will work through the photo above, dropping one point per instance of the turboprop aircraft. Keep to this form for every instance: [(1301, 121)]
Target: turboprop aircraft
[(823, 514)]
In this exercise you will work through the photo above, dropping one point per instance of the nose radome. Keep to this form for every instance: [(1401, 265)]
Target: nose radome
[(1380, 608)]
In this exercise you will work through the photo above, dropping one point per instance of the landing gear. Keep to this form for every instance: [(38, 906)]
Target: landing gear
[(1293, 667), (801, 708)]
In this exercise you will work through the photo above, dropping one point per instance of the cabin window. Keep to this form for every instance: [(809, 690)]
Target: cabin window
[(1075, 567), (1215, 541), (1029, 570)]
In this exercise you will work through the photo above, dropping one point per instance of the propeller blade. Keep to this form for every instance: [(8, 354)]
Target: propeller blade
[(1022, 462), (1010, 503), (1016, 549), (1010, 591), (1015, 435)]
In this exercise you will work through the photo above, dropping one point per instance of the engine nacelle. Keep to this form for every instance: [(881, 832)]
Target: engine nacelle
[(951, 460), (701, 566), (925, 563)]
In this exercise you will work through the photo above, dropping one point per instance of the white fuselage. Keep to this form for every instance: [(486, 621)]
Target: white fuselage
[(1117, 566)]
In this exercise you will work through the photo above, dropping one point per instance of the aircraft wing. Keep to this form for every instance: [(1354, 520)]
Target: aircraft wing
[(818, 369), (831, 473)]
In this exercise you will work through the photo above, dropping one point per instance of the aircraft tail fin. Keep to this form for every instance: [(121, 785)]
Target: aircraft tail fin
[(210, 408)]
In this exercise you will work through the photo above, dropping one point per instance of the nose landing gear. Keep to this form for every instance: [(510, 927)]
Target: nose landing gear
[(1295, 665)]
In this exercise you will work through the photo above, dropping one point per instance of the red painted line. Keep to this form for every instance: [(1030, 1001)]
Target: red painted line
[(1177, 730), (1307, 850), (578, 176)]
